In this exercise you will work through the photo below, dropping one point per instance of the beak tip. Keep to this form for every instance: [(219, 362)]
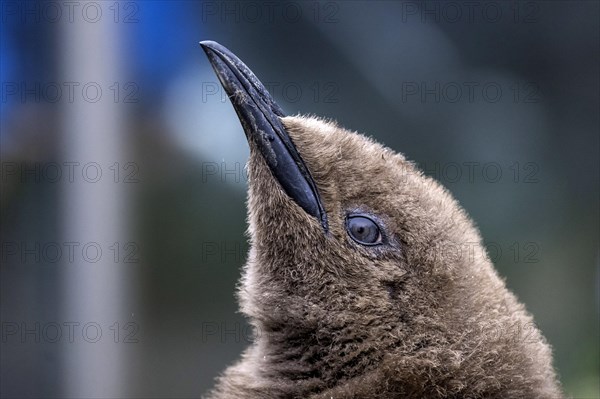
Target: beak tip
[(212, 46), (206, 45)]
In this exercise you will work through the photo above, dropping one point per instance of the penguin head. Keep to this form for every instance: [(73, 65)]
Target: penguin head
[(392, 245), (346, 235)]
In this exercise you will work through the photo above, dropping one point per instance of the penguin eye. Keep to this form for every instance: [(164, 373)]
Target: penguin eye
[(363, 230)]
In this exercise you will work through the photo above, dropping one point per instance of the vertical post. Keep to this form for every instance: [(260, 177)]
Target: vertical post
[(94, 212)]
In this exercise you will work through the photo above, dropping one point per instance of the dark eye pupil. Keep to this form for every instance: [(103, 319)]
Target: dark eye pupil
[(363, 230)]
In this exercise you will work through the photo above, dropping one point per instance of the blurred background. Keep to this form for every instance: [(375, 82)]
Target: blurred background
[(123, 185)]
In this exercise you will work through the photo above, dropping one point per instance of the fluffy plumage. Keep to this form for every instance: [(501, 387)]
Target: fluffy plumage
[(426, 316)]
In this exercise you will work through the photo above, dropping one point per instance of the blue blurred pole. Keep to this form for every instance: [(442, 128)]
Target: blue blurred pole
[(94, 215)]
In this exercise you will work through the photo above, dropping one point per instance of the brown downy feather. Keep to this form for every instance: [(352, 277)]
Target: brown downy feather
[(424, 317)]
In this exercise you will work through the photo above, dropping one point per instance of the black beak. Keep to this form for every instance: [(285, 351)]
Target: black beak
[(260, 118)]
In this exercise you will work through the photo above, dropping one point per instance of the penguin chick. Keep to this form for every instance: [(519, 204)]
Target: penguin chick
[(365, 278)]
